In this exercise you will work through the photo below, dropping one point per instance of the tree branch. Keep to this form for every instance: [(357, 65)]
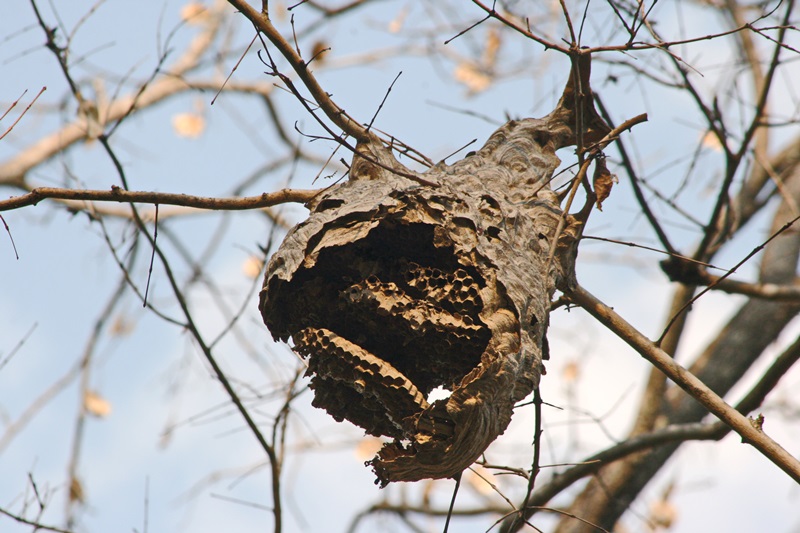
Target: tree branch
[(672, 433), (767, 291), (36, 525), (117, 194), (336, 114), (688, 382)]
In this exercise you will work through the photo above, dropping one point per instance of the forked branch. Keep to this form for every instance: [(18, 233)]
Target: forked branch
[(336, 114)]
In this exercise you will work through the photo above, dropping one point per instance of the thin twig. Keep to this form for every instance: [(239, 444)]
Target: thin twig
[(734, 159), (746, 258), (457, 477), (365, 136), (11, 237), (527, 33), (152, 259), (223, 379), (634, 181), (36, 525), (235, 66), (651, 249), (11, 127), (89, 352), (18, 346), (767, 291), (336, 114), (520, 518), (385, 96), (676, 433)]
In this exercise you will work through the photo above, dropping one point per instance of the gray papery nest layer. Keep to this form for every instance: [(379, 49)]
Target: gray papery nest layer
[(392, 288)]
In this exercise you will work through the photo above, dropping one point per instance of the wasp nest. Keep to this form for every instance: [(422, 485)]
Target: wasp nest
[(394, 287)]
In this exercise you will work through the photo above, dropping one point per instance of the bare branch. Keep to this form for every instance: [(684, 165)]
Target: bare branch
[(27, 108), (491, 12), (36, 525), (268, 448), (13, 171), (766, 291), (117, 194), (695, 431), (337, 115), (753, 252), (688, 382)]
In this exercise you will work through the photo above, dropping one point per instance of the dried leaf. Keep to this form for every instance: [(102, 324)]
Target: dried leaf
[(121, 326), (278, 11), (571, 372), (76, 493), (87, 111), (397, 23), (319, 52), (663, 513), (490, 52), (189, 125), (195, 14), (603, 181), (252, 267), (96, 405), (368, 447), (711, 141), (481, 480), (472, 76)]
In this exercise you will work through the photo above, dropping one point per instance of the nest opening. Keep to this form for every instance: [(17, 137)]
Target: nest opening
[(439, 393), (387, 318)]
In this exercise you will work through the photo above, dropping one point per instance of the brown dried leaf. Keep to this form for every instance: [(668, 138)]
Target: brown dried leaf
[(397, 23), (252, 267), (663, 514), (492, 49), (189, 125), (195, 14), (96, 405), (76, 493), (481, 480), (710, 140), (571, 372), (121, 326), (319, 52), (278, 11), (472, 76), (603, 181), (368, 447), (87, 111)]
